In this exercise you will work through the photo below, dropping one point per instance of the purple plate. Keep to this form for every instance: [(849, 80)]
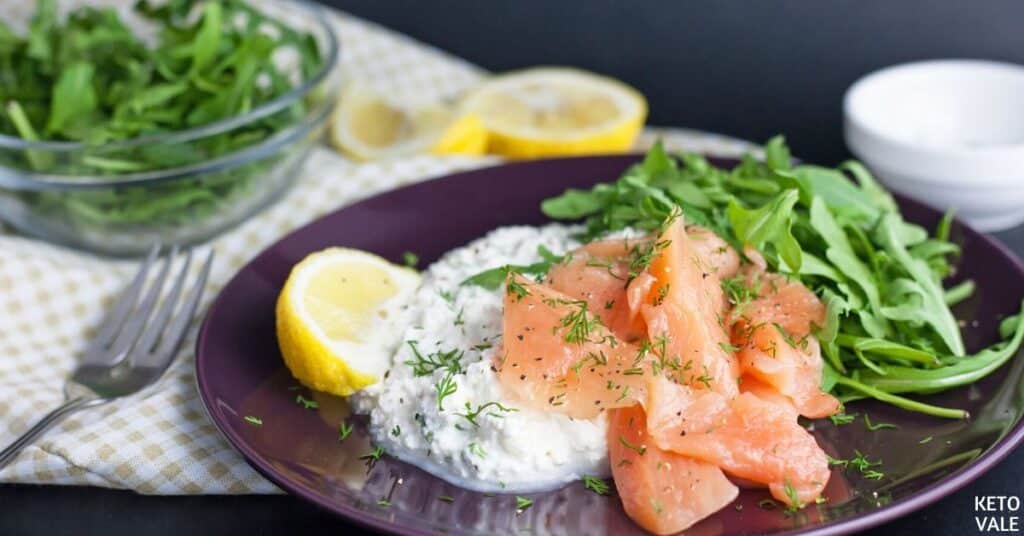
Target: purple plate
[(240, 373)]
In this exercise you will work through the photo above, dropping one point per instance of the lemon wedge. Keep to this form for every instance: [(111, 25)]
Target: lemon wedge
[(368, 127), (549, 111), (335, 318)]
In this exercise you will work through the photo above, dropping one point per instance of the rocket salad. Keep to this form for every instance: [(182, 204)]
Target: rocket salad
[(91, 80), (889, 329)]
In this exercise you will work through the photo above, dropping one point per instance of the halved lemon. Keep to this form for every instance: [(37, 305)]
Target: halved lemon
[(549, 111), (335, 318), (368, 127)]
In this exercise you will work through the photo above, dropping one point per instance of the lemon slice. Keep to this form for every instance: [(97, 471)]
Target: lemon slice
[(367, 127), (336, 318), (550, 111)]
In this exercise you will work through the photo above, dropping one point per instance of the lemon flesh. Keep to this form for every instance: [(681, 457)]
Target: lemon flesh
[(552, 111), (336, 318), (368, 127)]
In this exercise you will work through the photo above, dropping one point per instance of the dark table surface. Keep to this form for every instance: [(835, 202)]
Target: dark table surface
[(740, 68)]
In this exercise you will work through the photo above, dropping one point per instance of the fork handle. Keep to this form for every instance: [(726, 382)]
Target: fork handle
[(42, 426)]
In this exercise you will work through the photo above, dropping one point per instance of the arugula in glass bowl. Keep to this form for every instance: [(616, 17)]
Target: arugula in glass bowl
[(110, 140)]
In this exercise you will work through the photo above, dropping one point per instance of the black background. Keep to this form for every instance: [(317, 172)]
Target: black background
[(747, 69)]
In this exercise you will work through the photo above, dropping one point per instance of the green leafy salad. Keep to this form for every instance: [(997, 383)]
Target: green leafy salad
[(889, 328), (90, 79)]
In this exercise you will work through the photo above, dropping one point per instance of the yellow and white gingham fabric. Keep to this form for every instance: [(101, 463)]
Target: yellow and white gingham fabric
[(161, 442)]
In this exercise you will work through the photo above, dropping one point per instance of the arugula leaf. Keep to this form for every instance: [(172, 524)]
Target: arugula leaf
[(965, 371), (208, 37), (41, 32), (831, 187), (495, 277), (960, 292), (657, 161), (776, 154), (74, 99), (934, 311), (840, 253), (769, 224), (826, 334), (888, 349), (571, 205), (869, 186)]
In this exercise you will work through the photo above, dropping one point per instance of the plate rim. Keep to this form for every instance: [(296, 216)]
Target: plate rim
[(928, 495)]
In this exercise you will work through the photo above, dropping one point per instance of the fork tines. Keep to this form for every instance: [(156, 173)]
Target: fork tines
[(150, 318)]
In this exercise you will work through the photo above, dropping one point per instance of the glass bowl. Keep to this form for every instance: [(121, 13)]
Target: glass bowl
[(112, 198)]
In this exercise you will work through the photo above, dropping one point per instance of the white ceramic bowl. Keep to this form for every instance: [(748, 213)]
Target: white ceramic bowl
[(947, 132)]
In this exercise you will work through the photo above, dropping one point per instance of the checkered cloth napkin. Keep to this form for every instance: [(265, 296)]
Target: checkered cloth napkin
[(160, 441)]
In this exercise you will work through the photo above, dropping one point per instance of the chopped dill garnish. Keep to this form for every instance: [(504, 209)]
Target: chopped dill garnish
[(471, 414), (728, 348), (254, 420), (447, 296), (396, 431), (477, 450), (795, 504), (662, 293), (705, 378), (344, 429), (656, 504), (598, 359), (840, 419), (383, 503), (639, 449), (873, 474), (371, 458), (445, 388), (767, 504), (458, 318), (516, 288), (793, 343), (836, 461), (607, 264), (879, 426), (860, 463), (425, 365), (642, 255), (597, 485), (446, 498), (738, 292), (410, 259), (306, 403), (577, 324), (522, 503), (925, 440)]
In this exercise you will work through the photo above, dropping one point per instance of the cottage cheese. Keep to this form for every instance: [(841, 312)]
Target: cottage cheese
[(521, 450)]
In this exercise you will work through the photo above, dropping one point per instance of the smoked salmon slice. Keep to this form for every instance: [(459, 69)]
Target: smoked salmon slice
[(662, 491), (716, 252), (598, 273), (558, 356), (746, 436), (773, 334), (684, 313)]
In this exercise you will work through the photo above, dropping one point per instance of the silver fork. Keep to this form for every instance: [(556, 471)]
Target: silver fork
[(135, 344)]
